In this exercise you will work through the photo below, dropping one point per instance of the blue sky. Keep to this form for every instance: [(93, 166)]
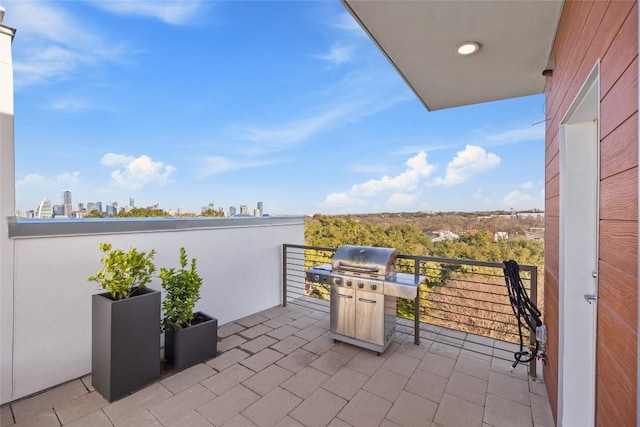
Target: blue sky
[(232, 102)]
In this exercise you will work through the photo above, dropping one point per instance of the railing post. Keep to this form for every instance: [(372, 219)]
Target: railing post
[(416, 304), (532, 334), (284, 275)]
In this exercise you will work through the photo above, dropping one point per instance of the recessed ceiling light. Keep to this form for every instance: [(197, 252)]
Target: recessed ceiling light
[(468, 48)]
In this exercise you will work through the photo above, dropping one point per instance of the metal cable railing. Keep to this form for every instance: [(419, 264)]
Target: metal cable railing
[(463, 295)]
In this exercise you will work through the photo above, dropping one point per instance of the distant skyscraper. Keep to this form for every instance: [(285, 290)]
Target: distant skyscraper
[(44, 209), (260, 211), (209, 207), (131, 202), (58, 211), (99, 206), (26, 214), (232, 211), (244, 210), (112, 209), (66, 201)]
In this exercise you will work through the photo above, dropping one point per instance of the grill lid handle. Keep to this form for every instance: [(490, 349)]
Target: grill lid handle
[(355, 268)]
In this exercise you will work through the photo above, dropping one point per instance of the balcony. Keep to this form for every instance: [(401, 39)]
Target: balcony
[(275, 364), (276, 367)]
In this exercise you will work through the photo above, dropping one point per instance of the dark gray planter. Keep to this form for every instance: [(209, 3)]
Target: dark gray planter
[(194, 344), (125, 343)]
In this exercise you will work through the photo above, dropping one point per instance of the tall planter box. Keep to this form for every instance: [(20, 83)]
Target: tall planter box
[(125, 343), (193, 344)]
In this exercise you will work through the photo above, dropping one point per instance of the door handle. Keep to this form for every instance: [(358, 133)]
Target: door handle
[(590, 298), (345, 296), (371, 301)]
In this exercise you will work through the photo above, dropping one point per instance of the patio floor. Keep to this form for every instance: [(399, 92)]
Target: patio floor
[(277, 367)]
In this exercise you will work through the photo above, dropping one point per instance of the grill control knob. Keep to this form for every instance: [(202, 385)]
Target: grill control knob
[(349, 283), (316, 277), (337, 280), (374, 287), (361, 285)]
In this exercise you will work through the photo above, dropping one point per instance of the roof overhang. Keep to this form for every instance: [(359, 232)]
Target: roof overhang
[(420, 39)]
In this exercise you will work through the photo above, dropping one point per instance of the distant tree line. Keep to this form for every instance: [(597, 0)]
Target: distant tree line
[(458, 296), (407, 238), (211, 212), (149, 212)]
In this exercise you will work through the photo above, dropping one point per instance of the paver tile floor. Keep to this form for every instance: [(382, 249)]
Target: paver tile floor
[(278, 368)]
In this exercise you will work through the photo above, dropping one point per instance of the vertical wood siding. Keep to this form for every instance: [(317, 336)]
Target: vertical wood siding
[(607, 31)]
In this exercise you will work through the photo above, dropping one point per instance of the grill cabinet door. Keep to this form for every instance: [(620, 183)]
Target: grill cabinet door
[(370, 317), (343, 311)]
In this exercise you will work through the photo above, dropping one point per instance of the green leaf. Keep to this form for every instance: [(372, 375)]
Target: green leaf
[(122, 272), (182, 293)]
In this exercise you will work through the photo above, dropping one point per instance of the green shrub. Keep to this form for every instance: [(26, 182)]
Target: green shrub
[(122, 272), (183, 291)]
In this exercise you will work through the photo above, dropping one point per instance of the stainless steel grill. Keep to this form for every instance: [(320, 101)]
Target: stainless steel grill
[(364, 287)]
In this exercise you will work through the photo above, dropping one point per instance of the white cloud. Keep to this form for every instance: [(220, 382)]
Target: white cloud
[(521, 200), (52, 62), (402, 200), (75, 105), (518, 200), (368, 168), (112, 159), (364, 90), (34, 187), (348, 101), (61, 180), (427, 147), (341, 200), (468, 162), (136, 173), (277, 139), (527, 185), (345, 22), (169, 12), (54, 43), (403, 187), (418, 168), (48, 21), (480, 196), (337, 55), (357, 96), (513, 136), (218, 164)]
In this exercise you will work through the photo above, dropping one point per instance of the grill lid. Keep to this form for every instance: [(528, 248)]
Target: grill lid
[(365, 260)]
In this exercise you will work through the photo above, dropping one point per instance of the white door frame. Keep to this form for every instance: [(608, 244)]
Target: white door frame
[(579, 215)]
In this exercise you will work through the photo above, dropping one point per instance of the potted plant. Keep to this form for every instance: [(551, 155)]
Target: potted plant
[(125, 341), (190, 337)]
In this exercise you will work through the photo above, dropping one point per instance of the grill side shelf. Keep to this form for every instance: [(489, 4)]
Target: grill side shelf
[(405, 286)]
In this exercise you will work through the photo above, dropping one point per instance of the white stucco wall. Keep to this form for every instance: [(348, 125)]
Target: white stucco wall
[(7, 208), (241, 268)]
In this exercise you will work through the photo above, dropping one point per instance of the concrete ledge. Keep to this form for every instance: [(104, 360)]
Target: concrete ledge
[(39, 228)]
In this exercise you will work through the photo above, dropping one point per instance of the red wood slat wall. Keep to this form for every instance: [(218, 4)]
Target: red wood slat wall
[(607, 31)]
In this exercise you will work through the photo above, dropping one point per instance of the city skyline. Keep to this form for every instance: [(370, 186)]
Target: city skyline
[(286, 101), (62, 209)]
